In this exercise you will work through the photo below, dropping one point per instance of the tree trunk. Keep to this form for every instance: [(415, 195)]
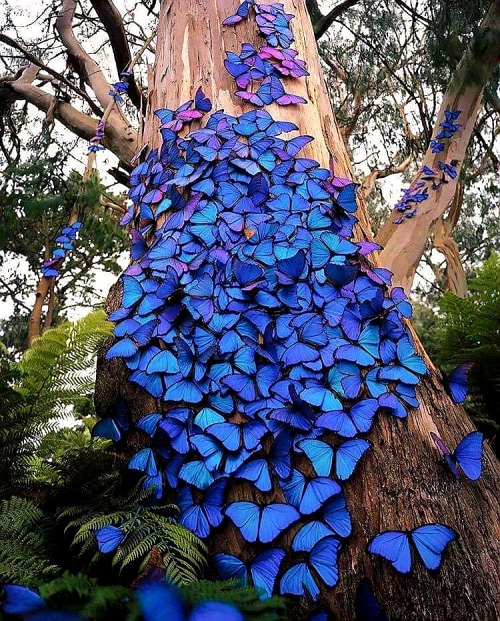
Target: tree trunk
[(404, 243), (404, 482)]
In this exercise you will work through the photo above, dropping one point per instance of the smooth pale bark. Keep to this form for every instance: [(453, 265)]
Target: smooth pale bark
[(404, 244), (403, 483)]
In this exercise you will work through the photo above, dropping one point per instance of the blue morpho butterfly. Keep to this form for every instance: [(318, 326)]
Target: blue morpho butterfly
[(366, 349), (262, 524), (346, 456), (109, 538), (200, 517), (196, 473), (112, 427), (158, 601), (358, 419), (367, 605), (322, 559), (456, 383), (308, 495), (430, 541), (262, 570), (145, 461), (299, 415), (257, 471), (335, 521), (409, 365), (467, 458), (345, 379), (233, 435)]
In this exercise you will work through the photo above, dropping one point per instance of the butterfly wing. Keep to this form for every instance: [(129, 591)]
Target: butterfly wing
[(109, 538), (265, 568), (229, 567), (320, 454), (246, 516), (348, 455), (298, 580), (323, 558), (469, 455), (276, 517), (431, 541), (393, 546), (457, 382)]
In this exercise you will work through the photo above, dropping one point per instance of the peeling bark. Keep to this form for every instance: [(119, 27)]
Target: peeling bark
[(404, 482), (444, 242), (404, 244)]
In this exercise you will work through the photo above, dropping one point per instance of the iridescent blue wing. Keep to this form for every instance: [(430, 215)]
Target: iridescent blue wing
[(205, 611), (323, 557), (446, 454), (309, 535), (19, 600), (298, 580), (320, 454), (276, 517), (256, 471), (145, 461), (246, 516), (457, 382), (337, 516), (469, 455), (431, 541), (196, 473), (348, 455), (316, 493), (264, 569), (157, 599), (395, 547), (229, 567), (109, 538)]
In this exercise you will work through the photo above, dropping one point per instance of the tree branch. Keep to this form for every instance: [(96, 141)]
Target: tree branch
[(369, 181), (322, 22), (83, 63), (113, 23), (29, 56), (121, 141), (405, 244)]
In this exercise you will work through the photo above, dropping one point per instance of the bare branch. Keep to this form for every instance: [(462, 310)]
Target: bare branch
[(113, 23), (83, 63), (322, 24), (369, 181), (34, 60)]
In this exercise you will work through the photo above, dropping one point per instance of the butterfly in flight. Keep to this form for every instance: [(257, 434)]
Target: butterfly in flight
[(467, 458)]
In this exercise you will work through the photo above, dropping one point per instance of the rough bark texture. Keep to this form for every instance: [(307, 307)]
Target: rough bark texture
[(404, 244), (404, 482)]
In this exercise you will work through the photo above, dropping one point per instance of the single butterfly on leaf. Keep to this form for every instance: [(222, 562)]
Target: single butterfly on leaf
[(467, 458), (429, 540)]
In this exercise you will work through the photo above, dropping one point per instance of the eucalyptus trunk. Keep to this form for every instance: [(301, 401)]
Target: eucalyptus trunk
[(403, 482)]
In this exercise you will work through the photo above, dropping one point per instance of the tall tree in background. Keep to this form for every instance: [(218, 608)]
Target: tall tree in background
[(399, 485)]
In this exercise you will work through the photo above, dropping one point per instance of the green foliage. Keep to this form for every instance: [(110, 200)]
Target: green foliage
[(37, 199), (468, 330), (184, 555), (54, 375), (25, 541), (244, 598)]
